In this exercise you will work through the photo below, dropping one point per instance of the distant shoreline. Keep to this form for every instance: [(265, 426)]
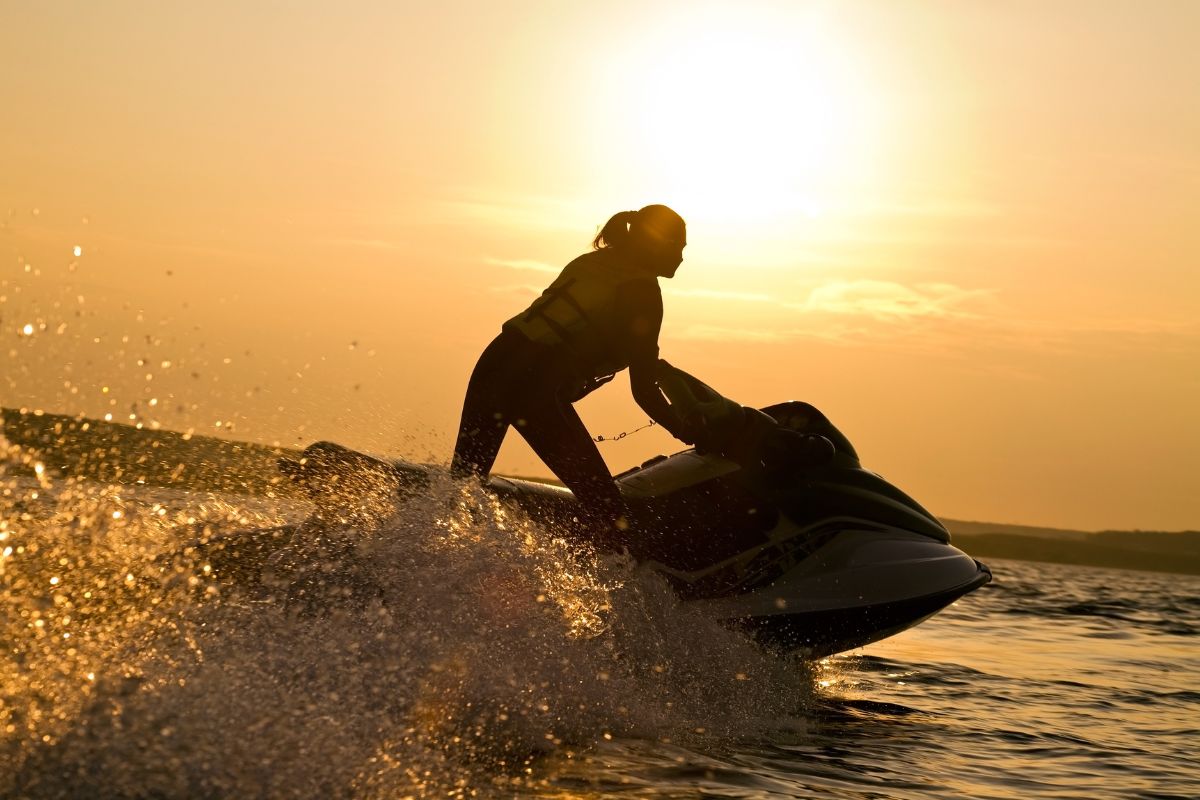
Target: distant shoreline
[(1141, 550), (120, 453)]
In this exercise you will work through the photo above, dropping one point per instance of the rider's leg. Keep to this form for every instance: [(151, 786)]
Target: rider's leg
[(555, 432), (485, 411)]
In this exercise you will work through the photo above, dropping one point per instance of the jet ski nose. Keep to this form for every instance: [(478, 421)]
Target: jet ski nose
[(985, 569)]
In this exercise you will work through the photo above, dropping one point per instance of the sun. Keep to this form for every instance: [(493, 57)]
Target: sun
[(743, 115)]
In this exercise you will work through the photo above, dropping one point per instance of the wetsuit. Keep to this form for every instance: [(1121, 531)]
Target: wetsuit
[(597, 318)]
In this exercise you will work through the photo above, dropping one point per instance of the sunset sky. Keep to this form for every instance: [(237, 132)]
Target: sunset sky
[(967, 231)]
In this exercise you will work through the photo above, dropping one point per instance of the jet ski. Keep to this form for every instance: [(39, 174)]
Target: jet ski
[(770, 524)]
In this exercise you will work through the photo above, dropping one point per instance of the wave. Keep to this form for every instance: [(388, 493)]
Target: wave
[(485, 644)]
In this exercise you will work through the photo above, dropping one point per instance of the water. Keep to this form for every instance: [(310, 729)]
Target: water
[(1054, 681), (491, 659)]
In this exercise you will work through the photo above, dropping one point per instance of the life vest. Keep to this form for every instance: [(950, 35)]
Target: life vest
[(578, 312)]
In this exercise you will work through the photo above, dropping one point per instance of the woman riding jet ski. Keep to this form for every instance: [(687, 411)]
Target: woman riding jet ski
[(601, 315), (774, 528), (769, 524)]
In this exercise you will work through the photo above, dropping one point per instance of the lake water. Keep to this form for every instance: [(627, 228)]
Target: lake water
[(1054, 681), (495, 662)]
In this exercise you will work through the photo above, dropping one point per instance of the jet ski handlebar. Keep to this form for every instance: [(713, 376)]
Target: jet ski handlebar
[(742, 434)]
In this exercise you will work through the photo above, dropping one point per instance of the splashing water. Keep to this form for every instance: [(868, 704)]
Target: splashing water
[(451, 649)]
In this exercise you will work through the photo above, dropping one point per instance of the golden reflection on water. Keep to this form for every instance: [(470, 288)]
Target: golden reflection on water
[(80, 586), (484, 641)]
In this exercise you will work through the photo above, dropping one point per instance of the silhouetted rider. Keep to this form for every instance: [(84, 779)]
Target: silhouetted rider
[(601, 315)]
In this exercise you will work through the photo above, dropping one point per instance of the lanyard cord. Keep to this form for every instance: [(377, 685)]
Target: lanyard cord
[(623, 434)]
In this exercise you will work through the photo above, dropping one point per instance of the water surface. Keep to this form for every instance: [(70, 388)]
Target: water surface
[(491, 659)]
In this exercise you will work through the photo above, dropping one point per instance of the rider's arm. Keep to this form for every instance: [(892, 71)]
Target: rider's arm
[(644, 304), (650, 398)]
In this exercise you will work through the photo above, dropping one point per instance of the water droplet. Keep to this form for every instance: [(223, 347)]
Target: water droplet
[(78, 251), (27, 330)]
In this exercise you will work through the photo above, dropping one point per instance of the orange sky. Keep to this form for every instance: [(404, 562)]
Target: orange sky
[(968, 231)]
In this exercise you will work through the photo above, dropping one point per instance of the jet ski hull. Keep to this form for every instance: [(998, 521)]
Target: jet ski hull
[(834, 586), (816, 556), (822, 632)]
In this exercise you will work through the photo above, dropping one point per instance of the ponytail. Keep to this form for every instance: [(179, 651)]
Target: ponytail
[(615, 232)]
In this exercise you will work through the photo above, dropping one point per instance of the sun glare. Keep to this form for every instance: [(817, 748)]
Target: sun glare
[(744, 117)]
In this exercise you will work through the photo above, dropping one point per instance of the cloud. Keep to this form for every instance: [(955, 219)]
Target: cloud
[(1090, 337), (890, 301), (527, 265), (523, 212), (886, 301), (922, 317), (935, 209), (371, 244), (999, 338), (718, 294), (517, 288), (937, 320), (717, 333)]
